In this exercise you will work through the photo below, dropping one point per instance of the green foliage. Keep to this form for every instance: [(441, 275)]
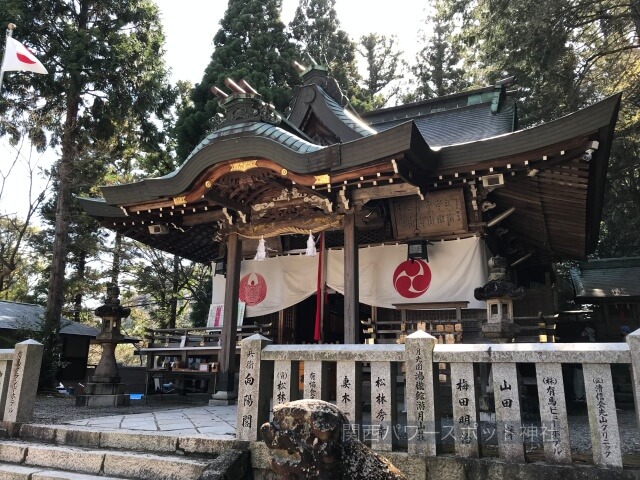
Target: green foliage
[(165, 282), (106, 77), (51, 358), (531, 40), (316, 29), (565, 54), (438, 70), (14, 259), (384, 66), (621, 220), (251, 44), (106, 55), (200, 302)]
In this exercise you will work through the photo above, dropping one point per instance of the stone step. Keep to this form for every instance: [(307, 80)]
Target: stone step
[(161, 443), (101, 462), (18, 472)]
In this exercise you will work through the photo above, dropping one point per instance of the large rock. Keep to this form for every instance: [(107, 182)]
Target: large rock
[(306, 442)]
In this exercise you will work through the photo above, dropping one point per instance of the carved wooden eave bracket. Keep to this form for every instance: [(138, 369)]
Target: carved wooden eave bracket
[(294, 197), (294, 226)]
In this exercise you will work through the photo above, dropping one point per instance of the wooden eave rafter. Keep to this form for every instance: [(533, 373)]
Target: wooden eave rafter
[(203, 189), (551, 206)]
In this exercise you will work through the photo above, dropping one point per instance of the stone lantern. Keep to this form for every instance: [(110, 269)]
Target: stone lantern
[(499, 293), (103, 388)]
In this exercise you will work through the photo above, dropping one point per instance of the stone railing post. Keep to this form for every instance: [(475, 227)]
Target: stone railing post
[(506, 392), (23, 382), (603, 420), (553, 413), (254, 391), (285, 381), (423, 420), (5, 379), (348, 392), (383, 404), (466, 426), (633, 340), (316, 379)]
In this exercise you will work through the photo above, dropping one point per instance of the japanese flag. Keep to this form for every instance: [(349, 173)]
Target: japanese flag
[(18, 58)]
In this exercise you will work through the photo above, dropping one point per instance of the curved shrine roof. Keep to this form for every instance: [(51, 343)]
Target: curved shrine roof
[(250, 166)]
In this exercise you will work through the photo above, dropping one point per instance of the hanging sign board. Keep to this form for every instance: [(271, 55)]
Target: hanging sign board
[(441, 213), (216, 315)]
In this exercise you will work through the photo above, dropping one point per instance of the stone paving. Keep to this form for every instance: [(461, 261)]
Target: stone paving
[(205, 420)]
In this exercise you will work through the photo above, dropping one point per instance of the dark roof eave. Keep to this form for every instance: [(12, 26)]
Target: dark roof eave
[(406, 106), (98, 208), (403, 141), (324, 113), (594, 118), (597, 178), (587, 300)]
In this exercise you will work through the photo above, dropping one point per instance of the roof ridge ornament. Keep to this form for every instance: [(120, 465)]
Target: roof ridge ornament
[(244, 104), (319, 75)]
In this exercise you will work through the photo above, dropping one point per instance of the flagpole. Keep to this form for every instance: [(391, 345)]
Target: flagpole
[(10, 29)]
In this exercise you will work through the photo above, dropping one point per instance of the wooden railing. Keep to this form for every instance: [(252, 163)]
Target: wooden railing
[(19, 373), (192, 351), (269, 373), (191, 337)]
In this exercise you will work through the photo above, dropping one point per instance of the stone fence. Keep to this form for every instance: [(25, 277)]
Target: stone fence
[(19, 373), (269, 373)]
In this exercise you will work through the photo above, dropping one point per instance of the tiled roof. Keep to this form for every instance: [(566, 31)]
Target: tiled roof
[(358, 126), (607, 280), (257, 129), (458, 125), (14, 316)]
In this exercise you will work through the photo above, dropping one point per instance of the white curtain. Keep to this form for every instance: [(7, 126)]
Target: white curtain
[(455, 269), (273, 284)]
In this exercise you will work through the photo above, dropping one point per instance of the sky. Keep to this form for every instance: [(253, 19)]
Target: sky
[(191, 24)]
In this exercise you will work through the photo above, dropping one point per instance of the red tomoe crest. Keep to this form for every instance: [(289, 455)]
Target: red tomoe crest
[(412, 278), (253, 289)]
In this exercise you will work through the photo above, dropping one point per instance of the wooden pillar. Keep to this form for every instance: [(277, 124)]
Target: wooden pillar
[(227, 357), (351, 286)]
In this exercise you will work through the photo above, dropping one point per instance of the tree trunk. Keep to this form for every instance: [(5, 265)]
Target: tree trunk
[(117, 255), (55, 298), (81, 268), (635, 16), (174, 291)]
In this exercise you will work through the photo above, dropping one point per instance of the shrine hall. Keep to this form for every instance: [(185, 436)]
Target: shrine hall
[(323, 225)]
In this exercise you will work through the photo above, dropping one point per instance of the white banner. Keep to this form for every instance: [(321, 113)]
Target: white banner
[(454, 270), (272, 284)]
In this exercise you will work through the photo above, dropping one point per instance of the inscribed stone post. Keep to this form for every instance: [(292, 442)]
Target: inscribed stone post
[(5, 379), (383, 404), (255, 381), (603, 421), (422, 429), (508, 420), (23, 383), (553, 413), (315, 380), (633, 340), (348, 391), (285, 381), (465, 412)]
